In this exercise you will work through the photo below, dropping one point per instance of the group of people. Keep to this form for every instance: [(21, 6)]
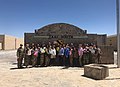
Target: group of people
[(57, 55)]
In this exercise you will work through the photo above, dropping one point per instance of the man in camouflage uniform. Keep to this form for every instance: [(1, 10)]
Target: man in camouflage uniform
[(20, 55)]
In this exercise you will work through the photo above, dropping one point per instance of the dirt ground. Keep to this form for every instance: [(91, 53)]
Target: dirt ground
[(10, 76)]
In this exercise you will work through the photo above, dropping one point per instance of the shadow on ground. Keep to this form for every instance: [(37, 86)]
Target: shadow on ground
[(101, 79), (112, 79), (66, 67), (16, 68), (90, 78), (14, 63)]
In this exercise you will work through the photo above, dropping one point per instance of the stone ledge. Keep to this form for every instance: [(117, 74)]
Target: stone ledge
[(96, 71)]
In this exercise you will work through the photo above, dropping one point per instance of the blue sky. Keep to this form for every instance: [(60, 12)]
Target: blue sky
[(19, 16)]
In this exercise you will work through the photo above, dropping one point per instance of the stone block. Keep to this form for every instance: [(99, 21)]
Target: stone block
[(96, 71)]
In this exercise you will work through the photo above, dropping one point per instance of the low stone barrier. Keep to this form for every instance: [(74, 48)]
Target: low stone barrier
[(96, 71)]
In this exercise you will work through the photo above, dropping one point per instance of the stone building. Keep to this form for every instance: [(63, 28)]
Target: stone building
[(64, 32), (9, 42), (112, 41)]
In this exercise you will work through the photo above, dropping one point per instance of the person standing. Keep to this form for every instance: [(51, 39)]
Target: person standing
[(20, 56), (42, 55), (71, 56), (53, 55), (67, 55), (38, 58), (80, 53), (92, 55), (27, 55), (47, 56), (61, 56), (86, 53), (35, 55), (98, 53), (75, 57)]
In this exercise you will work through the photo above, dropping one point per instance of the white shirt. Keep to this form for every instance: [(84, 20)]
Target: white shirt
[(42, 50), (29, 52), (52, 51)]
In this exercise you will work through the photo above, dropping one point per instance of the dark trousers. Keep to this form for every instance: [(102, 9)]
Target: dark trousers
[(80, 61), (75, 61), (47, 60), (61, 60), (98, 59), (38, 60), (67, 61), (42, 59), (57, 61), (71, 60), (27, 60), (52, 61), (90, 58), (85, 59), (19, 60), (34, 62)]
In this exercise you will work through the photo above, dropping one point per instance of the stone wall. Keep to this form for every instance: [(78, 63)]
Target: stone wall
[(2, 41), (60, 29), (112, 41), (18, 42), (57, 31), (89, 38), (107, 54), (9, 42), (1, 38), (29, 38), (101, 39)]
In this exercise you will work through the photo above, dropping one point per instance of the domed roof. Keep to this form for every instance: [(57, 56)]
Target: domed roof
[(60, 29)]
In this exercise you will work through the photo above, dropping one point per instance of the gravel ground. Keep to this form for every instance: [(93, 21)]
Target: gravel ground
[(50, 76)]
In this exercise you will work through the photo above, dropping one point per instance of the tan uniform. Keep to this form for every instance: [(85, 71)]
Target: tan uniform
[(20, 55)]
